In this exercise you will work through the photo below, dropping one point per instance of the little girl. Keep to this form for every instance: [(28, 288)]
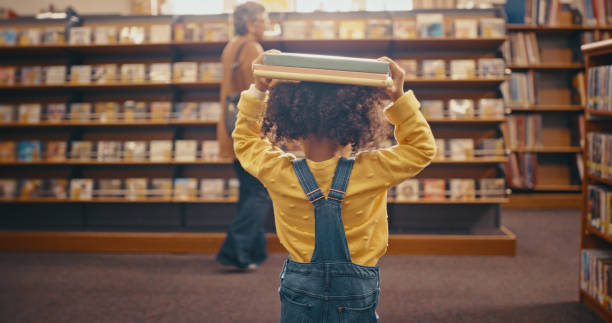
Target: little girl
[(331, 211)]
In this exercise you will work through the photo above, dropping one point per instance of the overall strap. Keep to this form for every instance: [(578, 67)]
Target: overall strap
[(307, 181), (340, 181)]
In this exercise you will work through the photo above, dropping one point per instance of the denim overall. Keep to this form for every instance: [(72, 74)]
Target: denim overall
[(329, 288)]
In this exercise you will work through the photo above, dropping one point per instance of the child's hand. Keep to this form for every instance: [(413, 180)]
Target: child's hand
[(261, 83), (396, 90)]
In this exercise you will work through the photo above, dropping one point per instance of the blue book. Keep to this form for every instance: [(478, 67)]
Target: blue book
[(327, 62), (515, 10), (28, 150)]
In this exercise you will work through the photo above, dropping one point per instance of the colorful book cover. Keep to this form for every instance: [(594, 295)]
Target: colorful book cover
[(8, 37), (105, 35), (79, 36), (187, 32), (31, 188), (212, 188), (434, 68), (161, 188), (159, 34), (108, 187), (134, 150), (488, 147), (8, 150), (461, 149), (491, 67), (215, 32), (462, 69), (492, 27), (404, 29), (160, 111), (31, 75), (81, 150), (80, 112), (55, 74), (160, 150), (8, 188), (133, 110), (136, 188), (408, 190), (210, 111), (54, 36), (185, 72), (56, 112), (106, 111), (430, 25), (109, 151), (462, 189), (351, 29), (7, 113), (210, 150), (185, 150), (432, 109), (30, 113), (58, 188), (186, 111), (323, 29), (132, 35), (160, 72), (81, 189), (104, 73), (55, 151), (460, 108), (133, 73), (7, 75), (185, 188), (211, 72), (491, 108), (492, 187), (233, 188), (434, 188), (30, 37), (80, 74), (465, 28), (379, 28)]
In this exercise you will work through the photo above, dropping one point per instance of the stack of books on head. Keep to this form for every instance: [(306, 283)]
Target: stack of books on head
[(324, 68)]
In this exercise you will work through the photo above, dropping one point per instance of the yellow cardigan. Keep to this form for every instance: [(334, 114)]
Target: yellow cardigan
[(364, 210)]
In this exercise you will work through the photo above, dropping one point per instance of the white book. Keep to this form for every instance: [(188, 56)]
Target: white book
[(160, 34), (210, 150), (462, 69), (136, 188), (55, 74), (434, 68), (160, 150), (80, 36), (212, 188), (81, 188), (185, 72), (408, 190), (462, 189), (491, 108), (132, 35), (80, 74), (461, 149), (30, 36), (465, 28), (185, 150), (134, 150), (133, 73), (210, 111), (105, 35), (460, 108), (160, 72), (30, 113)]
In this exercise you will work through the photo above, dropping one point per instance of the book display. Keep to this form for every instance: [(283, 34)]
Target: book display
[(131, 143), (595, 234)]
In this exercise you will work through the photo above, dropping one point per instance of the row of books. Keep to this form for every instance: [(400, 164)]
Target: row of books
[(460, 189), (128, 188), (522, 48), (594, 12), (111, 73), (519, 90), (599, 154), (425, 25), (104, 112), (599, 94), (463, 108), (599, 210), (523, 130), (154, 150), (521, 170), (457, 69), (592, 36), (596, 275), (464, 148), (109, 34)]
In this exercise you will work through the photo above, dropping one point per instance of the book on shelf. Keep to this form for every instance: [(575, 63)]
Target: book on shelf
[(186, 110), (434, 188), (492, 27), (525, 130), (29, 150), (460, 108), (519, 90), (135, 150), (489, 147), (56, 112), (491, 67), (132, 35), (58, 188), (524, 48), (160, 111), (160, 72), (440, 149), (185, 150), (134, 110), (323, 29), (430, 25), (159, 34), (404, 29), (105, 35), (8, 150), (580, 166), (133, 73), (490, 108), (462, 189), (109, 151), (410, 67), (55, 150), (492, 187), (215, 31), (81, 150), (599, 208), (432, 109), (8, 37), (31, 188), (161, 188), (465, 28), (210, 150), (212, 188), (79, 36), (160, 150), (232, 188), (104, 73), (81, 188), (110, 187), (55, 74), (7, 113), (462, 69), (80, 112), (31, 75), (434, 68), (7, 75), (80, 74), (8, 188), (135, 188), (210, 71), (30, 112), (407, 190), (378, 28), (599, 154), (596, 275), (106, 111), (185, 188), (579, 93), (295, 29), (185, 72), (30, 37), (461, 148), (187, 32)]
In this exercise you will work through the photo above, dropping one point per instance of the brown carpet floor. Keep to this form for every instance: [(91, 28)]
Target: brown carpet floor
[(540, 284)]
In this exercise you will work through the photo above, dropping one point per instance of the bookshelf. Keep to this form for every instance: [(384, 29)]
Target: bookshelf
[(474, 230), (597, 185)]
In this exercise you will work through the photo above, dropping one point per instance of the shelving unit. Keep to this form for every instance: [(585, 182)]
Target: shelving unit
[(474, 230), (595, 121)]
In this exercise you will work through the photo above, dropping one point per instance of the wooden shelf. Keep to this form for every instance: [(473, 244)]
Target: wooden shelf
[(600, 113), (119, 123), (467, 120), (600, 179), (549, 108), (554, 66), (450, 83), (152, 86), (563, 28), (449, 201), (560, 188), (595, 306), (120, 200), (594, 231), (503, 244), (539, 200), (547, 150), (120, 162), (475, 160)]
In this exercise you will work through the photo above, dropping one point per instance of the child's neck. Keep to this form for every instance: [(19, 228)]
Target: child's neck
[(317, 149)]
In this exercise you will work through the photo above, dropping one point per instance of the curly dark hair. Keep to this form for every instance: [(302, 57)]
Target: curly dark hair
[(347, 114)]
